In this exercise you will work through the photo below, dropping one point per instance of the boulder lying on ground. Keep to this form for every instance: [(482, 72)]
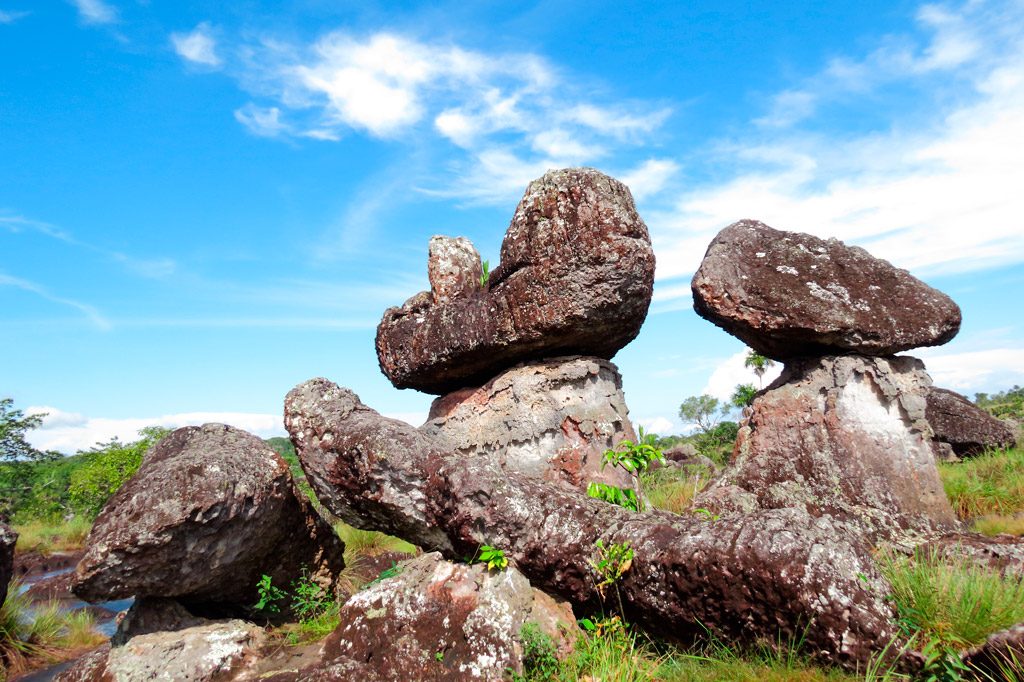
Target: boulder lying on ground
[(770, 574), (575, 278), (210, 511), (1003, 554), (844, 436), (788, 295), (967, 429), (553, 419), (438, 620)]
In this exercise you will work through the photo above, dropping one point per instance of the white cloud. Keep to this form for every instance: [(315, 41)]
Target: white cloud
[(973, 371), (199, 46), (9, 17), (731, 372), (934, 192), (649, 178), (69, 432), (89, 311), (95, 11), (264, 122), (661, 426)]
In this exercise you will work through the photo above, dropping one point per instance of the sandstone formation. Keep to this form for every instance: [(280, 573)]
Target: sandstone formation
[(787, 295), (8, 539), (844, 436), (453, 268), (768, 574), (210, 652), (438, 620), (575, 278), (1003, 554), (966, 428), (209, 512), (552, 418)]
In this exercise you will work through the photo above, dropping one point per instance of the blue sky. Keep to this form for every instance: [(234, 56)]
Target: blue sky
[(202, 206)]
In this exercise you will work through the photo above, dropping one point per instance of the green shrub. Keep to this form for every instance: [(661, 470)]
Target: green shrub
[(106, 469), (540, 660), (991, 483)]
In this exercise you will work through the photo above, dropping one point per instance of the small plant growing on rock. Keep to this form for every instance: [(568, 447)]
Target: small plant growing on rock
[(486, 276), (540, 660), (611, 563), (636, 458), (493, 557), (269, 596), (624, 497)]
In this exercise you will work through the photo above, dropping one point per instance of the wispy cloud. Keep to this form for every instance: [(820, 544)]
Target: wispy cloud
[(197, 46), (89, 311), (9, 16), (934, 189), (971, 371), (95, 11), (731, 372)]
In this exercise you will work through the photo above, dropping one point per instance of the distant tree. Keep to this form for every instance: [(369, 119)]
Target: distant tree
[(704, 410), (759, 364), (13, 427), (743, 396), (109, 465)]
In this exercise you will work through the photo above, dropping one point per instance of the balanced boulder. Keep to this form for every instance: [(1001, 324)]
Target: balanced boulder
[(967, 429), (844, 436), (552, 418), (787, 295), (575, 278), (210, 511)]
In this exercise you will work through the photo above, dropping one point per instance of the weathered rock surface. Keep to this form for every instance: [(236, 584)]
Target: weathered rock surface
[(212, 651), (844, 436), (8, 538), (575, 278), (769, 574), (553, 419), (965, 427), (438, 620), (1001, 657), (210, 510), (1003, 553), (788, 294), (154, 614), (453, 268)]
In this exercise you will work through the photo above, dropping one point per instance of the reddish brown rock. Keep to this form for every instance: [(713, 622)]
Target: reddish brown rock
[(438, 620), (8, 539), (788, 294), (454, 268), (1001, 657), (1002, 553), (575, 278), (844, 436), (209, 512), (553, 419), (965, 427), (768, 575)]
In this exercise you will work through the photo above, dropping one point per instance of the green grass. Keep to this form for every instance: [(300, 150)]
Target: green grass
[(953, 602), (991, 483), (998, 524), (673, 489), (32, 635), (47, 537)]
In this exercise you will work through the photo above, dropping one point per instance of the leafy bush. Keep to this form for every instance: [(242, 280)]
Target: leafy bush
[(106, 469), (540, 660)]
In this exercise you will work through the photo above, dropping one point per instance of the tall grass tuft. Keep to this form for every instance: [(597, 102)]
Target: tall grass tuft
[(47, 537), (952, 601), (672, 489), (991, 483)]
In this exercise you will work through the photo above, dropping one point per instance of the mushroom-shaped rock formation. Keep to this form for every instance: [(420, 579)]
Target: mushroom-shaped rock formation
[(575, 278), (844, 436), (210, 511), (967, 429), (787, 295)]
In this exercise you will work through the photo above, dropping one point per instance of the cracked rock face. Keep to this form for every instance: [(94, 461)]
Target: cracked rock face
[(8, 538), (787, 295), (575, 278), (210, 511), (965, 427), (553, 419), (844, 436), (438, 620)]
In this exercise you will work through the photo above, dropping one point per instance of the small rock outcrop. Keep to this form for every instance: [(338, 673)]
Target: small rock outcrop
[(967, 429), (209, 512), (575, 278), (8, 539), (844, 436), (453, 268), (550, 418), (1002, 554), (788, 295), (438, 620)]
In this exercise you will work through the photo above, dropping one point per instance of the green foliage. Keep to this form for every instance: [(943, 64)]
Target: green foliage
[(704, 411), (47, 537), (636, 458), (17, 457), (743, 396), (1008, 403), (492, 556), (611, 563), (758, 363), (309, 599), (624, 497), (540, 660), (991, 483), (107, 468), (269, 596), (389, 572), (486, 276), (672, 488)]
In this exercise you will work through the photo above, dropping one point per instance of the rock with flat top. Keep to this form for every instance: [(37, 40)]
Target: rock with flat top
[(967, 429), (788, 294)]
